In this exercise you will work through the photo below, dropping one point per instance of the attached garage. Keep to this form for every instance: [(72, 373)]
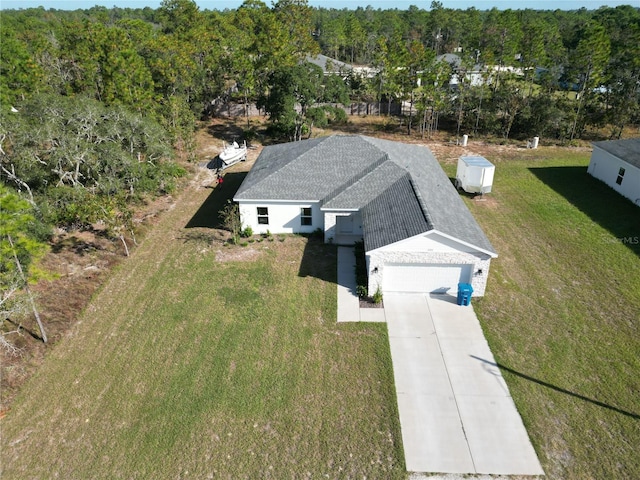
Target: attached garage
[(425, 278), (428, 263)]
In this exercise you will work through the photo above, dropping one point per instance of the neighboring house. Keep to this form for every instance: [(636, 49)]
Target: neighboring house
[(330, 66), (418, 234), (475, 75), (617, 163)]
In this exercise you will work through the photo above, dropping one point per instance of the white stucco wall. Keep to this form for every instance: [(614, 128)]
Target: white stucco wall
[(331, 224), (605, 167), (284, 217)]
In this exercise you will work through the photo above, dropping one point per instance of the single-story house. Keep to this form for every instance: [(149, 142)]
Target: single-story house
[(617, 163), (418, 234), (329, 66)]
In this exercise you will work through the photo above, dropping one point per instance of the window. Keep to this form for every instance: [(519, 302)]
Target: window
[(620, 176), (263, 216), (305, 216)]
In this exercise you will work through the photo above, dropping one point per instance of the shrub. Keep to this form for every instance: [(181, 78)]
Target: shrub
[(377, 297), (230, 216), (362, 292), (247, 232)]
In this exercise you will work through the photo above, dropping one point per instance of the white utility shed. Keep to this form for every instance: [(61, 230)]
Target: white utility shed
[(475, 174), (617, 163)]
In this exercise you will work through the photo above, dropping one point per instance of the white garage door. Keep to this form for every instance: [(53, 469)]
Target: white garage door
[(425, 278)]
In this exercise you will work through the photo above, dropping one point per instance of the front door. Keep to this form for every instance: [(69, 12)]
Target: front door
[(345, 225)]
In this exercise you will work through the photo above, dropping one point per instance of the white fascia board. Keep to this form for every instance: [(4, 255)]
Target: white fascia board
[(263, 201), (462, 242), (437, 232), (324, 209)]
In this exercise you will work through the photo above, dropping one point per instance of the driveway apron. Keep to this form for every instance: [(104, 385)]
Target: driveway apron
[(456, 413)]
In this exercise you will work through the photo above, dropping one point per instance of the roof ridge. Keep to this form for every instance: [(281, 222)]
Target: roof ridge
[(354, 180), (376, 167), (295, 159), (421, 202)]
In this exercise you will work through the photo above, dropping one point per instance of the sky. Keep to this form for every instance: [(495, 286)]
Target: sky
[(350, 4)]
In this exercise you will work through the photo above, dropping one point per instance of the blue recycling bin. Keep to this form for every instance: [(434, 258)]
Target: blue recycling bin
[(465, 290)]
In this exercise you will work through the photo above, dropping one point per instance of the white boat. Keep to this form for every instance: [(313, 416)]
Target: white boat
[(233, 153)]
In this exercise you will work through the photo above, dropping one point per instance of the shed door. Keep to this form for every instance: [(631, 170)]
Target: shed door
[(425, 278)]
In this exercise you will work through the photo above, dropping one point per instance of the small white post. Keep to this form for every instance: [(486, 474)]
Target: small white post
[(535, 142), (465, 138)]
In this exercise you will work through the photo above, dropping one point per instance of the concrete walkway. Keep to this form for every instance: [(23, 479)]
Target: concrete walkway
[(348, 302), (456, 413)]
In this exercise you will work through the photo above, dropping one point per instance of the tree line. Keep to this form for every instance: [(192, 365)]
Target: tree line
[(96, 103)]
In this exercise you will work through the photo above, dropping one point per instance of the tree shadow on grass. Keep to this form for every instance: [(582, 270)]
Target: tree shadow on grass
[(230, 131), (597, 200), (558, 389), (208, 215)]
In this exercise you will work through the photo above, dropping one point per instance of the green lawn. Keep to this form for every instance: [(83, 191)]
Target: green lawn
[(200, 361), (211, 362), (562, 311)]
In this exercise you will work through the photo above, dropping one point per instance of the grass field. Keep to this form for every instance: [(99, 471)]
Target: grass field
[(202, 361), (562, 311)]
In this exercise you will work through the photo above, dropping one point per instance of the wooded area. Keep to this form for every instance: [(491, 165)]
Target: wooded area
[(95, 104)]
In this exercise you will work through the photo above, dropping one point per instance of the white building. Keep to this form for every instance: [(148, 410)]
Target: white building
[(418, 234), (617, 163)]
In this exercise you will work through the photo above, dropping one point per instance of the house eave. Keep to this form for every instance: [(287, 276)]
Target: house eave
[(264, 200), (349, 210), (492, 254)]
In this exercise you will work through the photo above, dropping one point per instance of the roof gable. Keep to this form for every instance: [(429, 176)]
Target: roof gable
[(443, 207), (433, 240), (394, 215)]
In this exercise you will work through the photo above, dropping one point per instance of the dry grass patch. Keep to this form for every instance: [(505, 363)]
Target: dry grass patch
[(237, 254)]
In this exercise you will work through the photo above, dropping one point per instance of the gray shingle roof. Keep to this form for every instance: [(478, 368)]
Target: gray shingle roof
[(627, 150), (310, 169), (400, 188), (366, 188), (395, 214), (328, 64)]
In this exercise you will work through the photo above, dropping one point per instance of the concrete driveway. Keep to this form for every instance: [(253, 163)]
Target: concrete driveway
[(456, 413)]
